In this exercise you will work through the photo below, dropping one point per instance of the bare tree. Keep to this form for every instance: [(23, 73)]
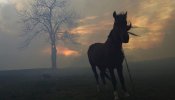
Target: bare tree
[(48, 17)]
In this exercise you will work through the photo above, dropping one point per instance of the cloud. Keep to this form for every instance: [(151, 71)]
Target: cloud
[(87, 18), (20, 4), (62, 50), (149, 17), (91, 27), (153, 20), (3, 1)]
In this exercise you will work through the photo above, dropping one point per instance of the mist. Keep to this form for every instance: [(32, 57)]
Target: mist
[(156, 41)]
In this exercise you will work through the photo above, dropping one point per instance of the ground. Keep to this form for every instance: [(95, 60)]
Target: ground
[(155, 83)]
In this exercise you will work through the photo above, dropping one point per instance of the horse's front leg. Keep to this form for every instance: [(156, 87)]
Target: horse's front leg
[(114, 82), (121, 77)]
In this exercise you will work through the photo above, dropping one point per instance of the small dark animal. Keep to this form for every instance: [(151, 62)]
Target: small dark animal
[(109, 55)]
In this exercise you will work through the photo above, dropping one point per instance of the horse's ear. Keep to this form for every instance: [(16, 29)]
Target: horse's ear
[(114, 14), (126, 14)]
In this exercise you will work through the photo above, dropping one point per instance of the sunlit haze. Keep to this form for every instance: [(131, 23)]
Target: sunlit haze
[(154, 19)]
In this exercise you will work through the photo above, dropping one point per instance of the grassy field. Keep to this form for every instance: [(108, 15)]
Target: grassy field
[(79, 84)]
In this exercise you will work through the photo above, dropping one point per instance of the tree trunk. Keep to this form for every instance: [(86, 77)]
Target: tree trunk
[(54, 56)]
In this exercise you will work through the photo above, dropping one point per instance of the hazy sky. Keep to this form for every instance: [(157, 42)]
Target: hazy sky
[(156, 41)]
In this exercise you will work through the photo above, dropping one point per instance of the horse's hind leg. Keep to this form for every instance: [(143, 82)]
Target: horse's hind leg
[(96, 76), (102, 74), (107, 76)]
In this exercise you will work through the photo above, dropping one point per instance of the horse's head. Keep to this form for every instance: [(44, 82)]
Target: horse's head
[(121, 27)]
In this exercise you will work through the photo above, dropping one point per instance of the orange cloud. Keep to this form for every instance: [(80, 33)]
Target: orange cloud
[(62, 51), (86, 29), (151, 35), (88, 18), (67, 52), (92, 28)]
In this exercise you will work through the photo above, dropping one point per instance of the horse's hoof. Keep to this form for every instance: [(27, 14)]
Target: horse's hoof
[(116, 97), (98, 88), (125, 94)]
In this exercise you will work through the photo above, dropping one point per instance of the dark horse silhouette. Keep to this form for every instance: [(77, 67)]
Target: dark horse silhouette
[(109, 55)]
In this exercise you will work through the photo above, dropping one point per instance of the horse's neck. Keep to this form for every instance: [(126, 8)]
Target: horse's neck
[(113, 44)]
